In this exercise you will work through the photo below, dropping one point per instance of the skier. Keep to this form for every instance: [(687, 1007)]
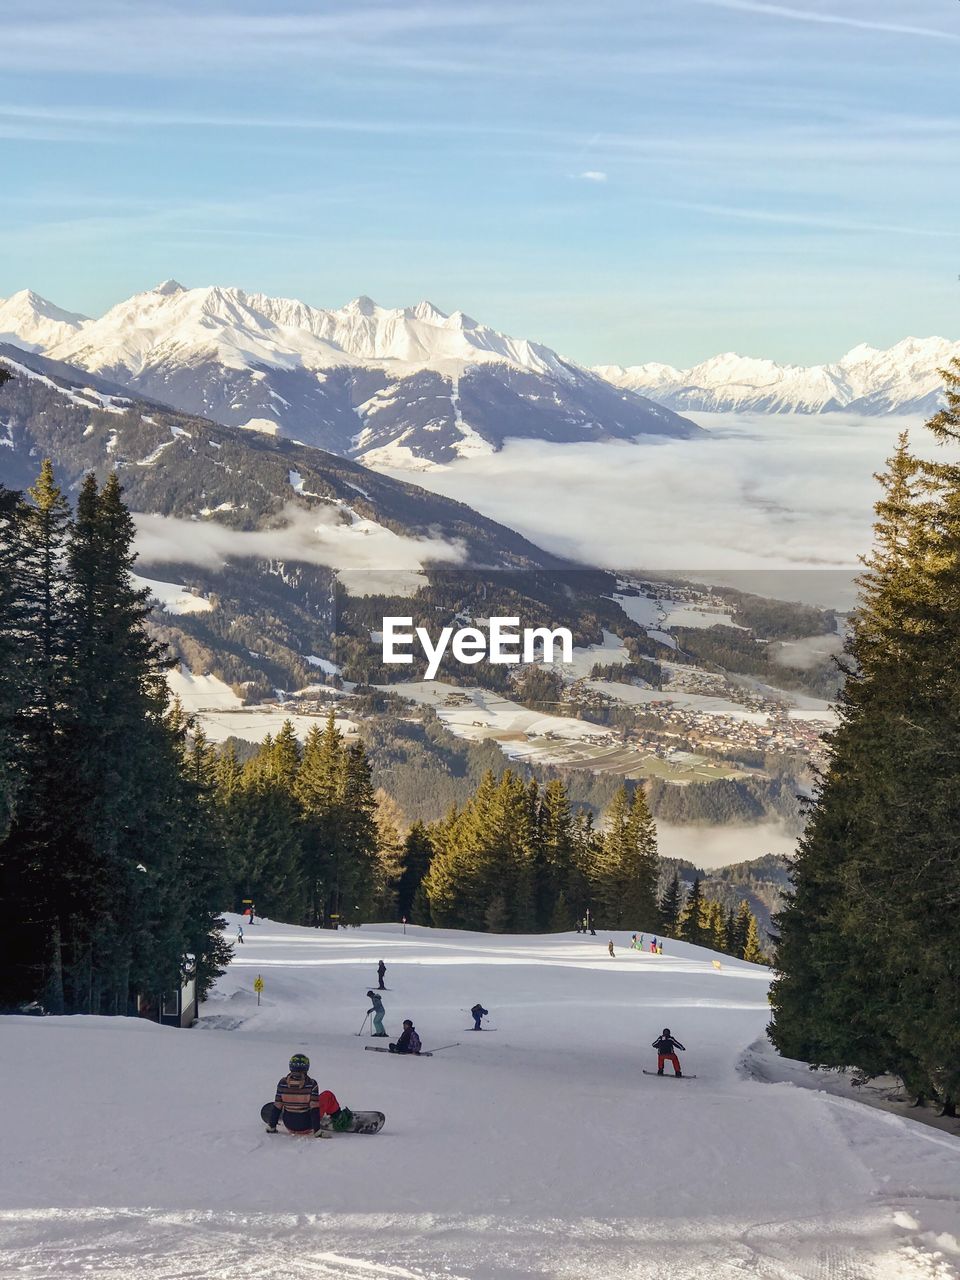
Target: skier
[(301, 1105), (478, 1012), (409, 1041), (659, 948), (381, 970), (378, 1012), (610, 948), (240, 933), (666, 1048), (653, 947)]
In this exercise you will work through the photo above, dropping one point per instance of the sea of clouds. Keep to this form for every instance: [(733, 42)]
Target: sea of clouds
[(781, 505)]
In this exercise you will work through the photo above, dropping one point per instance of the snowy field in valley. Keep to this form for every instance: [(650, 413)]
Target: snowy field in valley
[(135, 1152), (222, 714)]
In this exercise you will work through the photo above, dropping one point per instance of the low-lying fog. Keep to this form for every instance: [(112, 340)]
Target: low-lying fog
[(769, 495), (710, 847)]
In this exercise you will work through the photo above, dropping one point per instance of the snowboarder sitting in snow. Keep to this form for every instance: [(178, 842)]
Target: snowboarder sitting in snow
[(378, 1011), (301, 1105), (409, 1041), (666, 1048), (478, 1012)]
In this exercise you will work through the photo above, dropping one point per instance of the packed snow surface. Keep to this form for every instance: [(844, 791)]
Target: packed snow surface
[(536, 1149)]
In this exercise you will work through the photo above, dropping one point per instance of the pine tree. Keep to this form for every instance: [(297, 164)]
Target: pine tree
[(10, 655), (753, 951), (627, 871), (715, 926), (557, 857), (32, 874), (741, 928), (692, 927), (355, 869), (827, 931), (671, 906), (317, 790), (417, 852), (389, 855)]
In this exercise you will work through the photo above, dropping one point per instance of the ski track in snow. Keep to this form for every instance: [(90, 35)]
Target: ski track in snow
[(541, 1151)]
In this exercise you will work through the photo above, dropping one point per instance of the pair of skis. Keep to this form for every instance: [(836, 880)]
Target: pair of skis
[(424, 1053)]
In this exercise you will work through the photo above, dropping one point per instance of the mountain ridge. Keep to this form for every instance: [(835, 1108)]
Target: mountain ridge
[(409, 387), (866, 380)]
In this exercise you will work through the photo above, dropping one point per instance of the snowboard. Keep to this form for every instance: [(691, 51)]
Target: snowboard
[(362, 1122), (382, 1048), (686, 1075), (479, 1028)]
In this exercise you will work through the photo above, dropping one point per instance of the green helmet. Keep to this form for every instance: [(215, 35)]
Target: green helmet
[(300, 1063)]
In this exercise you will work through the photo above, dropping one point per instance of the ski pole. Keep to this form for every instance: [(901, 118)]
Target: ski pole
[(446, 1046), (363, 1023)]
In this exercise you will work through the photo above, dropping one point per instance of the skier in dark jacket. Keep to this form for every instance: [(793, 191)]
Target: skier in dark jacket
[(409, 1041), (381, 971), (666, 1048), (478, 1012)]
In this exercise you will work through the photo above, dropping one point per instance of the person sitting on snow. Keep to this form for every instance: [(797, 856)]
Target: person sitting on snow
[(301, 1105), (409, 1041), (666, 1048)]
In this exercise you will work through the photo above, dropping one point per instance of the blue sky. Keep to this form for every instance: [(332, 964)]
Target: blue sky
[(626, 181)]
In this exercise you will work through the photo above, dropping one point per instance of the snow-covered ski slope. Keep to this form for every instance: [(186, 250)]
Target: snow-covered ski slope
[(137, 1152)]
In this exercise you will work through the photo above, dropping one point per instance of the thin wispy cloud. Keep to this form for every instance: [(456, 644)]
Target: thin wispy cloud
[(823, 18), (426, 148), (823, 222)]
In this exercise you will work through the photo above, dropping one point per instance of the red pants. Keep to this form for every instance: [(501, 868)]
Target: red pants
[(668, 1057), (328, 1103)]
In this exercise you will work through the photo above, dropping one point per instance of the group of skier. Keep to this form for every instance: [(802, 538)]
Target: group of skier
[(305, 1108)]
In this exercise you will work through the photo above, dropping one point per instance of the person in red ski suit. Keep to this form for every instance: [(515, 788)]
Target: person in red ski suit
[(666, 1048)]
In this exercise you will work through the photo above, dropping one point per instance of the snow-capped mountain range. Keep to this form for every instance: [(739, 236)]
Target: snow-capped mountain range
[(902, 379), (408, 386)]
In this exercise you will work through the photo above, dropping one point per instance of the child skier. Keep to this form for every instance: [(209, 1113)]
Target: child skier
[(301, 1105), (666, 1048), (409, 1041), (381, 971), (478, 1012), (378, 1011)]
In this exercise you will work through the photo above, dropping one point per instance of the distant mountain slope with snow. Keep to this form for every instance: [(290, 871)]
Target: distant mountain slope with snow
[(407, 386), (903, 379)]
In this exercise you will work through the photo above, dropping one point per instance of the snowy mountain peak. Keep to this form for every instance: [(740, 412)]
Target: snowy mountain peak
[(34, 323), (902, 379), (425, 310), (408, 386), (362, 306)]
